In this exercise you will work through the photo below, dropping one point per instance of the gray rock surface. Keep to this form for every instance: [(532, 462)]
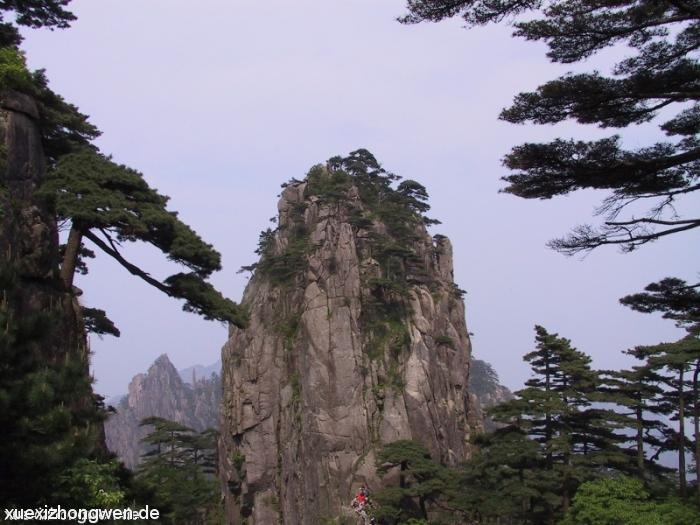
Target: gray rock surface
[(160, 392), (316, 384)]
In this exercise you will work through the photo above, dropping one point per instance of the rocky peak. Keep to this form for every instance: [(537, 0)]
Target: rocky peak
[(160, 392), (357, 337)]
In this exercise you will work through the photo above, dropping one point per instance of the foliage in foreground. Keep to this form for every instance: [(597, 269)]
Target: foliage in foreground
[(178, 473), (625, 501), (573, 445)]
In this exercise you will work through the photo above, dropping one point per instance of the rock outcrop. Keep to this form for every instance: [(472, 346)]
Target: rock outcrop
[(485, 386), (161, 392), (357, 337)]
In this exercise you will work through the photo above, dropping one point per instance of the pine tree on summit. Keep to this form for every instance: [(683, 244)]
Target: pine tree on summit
[(663, 74)]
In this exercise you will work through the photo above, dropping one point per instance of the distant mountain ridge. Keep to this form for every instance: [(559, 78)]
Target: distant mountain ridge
[(196, 372), (162, 392), (191, 396)]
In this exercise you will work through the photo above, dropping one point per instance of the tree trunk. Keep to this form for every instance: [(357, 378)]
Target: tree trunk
[(70, 258), (640, 440), (696, 424), (681, 431), (548, 416)]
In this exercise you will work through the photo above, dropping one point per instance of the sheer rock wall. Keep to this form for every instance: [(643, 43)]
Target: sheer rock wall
[(325, 373)]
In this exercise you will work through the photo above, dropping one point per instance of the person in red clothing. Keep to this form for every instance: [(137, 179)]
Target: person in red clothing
[(360, 504)]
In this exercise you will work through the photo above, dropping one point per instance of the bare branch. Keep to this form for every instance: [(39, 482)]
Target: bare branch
[(646, 220)]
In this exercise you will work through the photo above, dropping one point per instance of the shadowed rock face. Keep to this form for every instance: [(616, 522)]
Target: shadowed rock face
[(484, 384), (357, 337), (162, 393)]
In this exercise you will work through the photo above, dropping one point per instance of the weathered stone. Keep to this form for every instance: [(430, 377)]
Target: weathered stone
[(306, 402)]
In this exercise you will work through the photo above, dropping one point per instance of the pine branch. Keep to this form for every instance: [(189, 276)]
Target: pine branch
[(110, 249)]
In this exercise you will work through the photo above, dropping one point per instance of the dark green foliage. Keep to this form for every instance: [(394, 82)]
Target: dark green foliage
[(93, 191), (97, 322), (283, 268), (507, 479), (81, 266), (31, 13), (111, 204), (90, 483), (50, 447), (578, 441), (47, 426), (674, 361), (415, 196), (384, 327), (38, 13), (422, 483), (13, 70), (663, 74), (203, 299), (179, 472), (625, 501), (559, 451), (639, 397), (329, 186), (674, 297), (399, 209), (64, 129)]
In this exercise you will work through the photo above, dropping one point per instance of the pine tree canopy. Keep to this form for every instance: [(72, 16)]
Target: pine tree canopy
[(674, 297), (31, 13), (644, 184), (39, 13), (111, 204)]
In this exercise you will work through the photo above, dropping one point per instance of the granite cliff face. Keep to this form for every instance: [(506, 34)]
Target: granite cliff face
[(357, 337), (162, 393)]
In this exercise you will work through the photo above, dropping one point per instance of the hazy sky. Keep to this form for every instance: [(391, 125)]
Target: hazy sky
[(218, 102)]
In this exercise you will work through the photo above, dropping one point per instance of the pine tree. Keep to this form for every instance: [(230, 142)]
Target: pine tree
[(637, 393), (179, 471), (676, 359), (663, 74), (676, 299), (111, 204), (506, 479), (424, 484), (679, 302), (577, 441), (51, 447)]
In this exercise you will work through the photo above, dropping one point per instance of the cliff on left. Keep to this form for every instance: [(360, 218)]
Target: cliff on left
[(47, 408)]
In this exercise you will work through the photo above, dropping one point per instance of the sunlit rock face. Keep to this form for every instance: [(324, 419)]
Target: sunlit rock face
[(357, 337), (161, 392)]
